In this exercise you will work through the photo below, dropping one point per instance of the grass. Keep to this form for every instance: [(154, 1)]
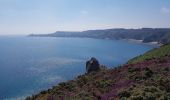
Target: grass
[(152, 54)]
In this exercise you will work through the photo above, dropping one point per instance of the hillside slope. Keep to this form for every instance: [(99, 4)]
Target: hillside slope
[(152, 54), (143, 80)]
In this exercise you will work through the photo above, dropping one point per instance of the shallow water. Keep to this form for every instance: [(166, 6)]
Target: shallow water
[(30, 64)]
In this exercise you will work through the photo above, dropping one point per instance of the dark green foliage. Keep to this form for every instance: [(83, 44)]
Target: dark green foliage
[(131, 70), (147, 72), (84, 95), (144, 93), (139, 74), (43, 92), (104, 85), (67, 85), (123, 94), (166, 69), (164, 83)]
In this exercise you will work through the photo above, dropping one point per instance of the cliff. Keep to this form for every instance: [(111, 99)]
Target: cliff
[(146, 77)]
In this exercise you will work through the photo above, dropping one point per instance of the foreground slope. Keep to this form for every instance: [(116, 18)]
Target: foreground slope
[(152, 54), (147, 79)]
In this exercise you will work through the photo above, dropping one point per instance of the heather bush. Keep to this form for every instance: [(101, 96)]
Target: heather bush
[(83, 95), (104, 85), (67, 85), (124, 94), (43, 92), (166, 69), (148, 73), (144, 93), (131, 70), (164, 83), (139, 97)]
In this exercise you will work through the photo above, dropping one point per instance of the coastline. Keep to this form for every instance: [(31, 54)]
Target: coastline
[(155, 43)]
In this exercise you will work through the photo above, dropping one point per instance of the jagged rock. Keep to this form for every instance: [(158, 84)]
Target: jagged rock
[(92, 65)]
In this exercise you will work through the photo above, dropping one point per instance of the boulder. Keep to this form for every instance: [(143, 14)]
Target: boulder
[(92, 65)]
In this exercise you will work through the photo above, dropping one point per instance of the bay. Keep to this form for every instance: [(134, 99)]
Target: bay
[(31, 64)]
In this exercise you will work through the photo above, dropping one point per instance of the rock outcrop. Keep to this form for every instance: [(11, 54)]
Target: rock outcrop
[(92, 65)]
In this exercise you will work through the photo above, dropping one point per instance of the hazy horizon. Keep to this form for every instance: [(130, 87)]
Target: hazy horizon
[(23, 17)]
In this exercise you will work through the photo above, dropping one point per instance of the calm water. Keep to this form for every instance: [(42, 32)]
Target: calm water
[(28, 65)]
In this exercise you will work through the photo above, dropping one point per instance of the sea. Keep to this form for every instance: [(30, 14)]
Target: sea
[(31, 64)]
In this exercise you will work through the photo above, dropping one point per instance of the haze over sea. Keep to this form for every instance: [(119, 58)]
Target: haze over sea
[(31, 64)]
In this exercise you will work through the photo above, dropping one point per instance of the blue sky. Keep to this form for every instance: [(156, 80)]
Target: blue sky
[(46, 16)]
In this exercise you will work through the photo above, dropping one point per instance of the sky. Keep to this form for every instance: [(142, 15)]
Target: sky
[(47, 16)]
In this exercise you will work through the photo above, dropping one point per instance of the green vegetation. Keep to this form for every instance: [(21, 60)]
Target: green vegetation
[(144, 93), (152, 54)]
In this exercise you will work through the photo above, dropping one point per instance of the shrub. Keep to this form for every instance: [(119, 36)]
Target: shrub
[(131, 70), (104, 85), (43, 92), (165, 83), (139, 97), (150, 96), (68, 86), (166, 69), (124, 93), (147, 72)]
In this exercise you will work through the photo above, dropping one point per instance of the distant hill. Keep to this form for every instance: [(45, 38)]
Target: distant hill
[(146, 77), (160, 35)]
